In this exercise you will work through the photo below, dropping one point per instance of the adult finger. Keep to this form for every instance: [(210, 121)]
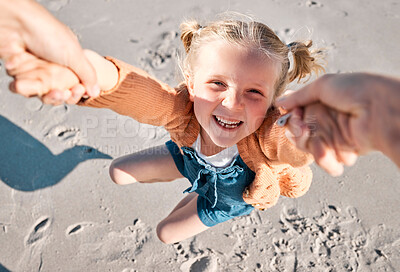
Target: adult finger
[(86, 74), (27, 87), (51, 97), (324, 156), (343, 152), (293, 99), (20, 64), (323, 123), (330, 89), (10, 43), (76, 94), (345, 148), (56, 97), (348, 158), (342, 92), (297, 130)]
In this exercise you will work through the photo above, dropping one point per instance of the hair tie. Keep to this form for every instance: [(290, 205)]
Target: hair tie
[(199, 30), (291, 44)]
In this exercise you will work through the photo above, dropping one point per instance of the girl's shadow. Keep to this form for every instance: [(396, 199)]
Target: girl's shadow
[(27, 165)]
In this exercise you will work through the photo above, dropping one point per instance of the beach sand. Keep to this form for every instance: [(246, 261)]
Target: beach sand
[(59, 210)]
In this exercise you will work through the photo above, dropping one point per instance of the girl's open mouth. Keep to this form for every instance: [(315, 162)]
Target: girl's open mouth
[(226, 123)]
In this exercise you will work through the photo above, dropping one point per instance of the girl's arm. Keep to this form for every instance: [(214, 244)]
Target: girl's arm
[(125, 89), (140, 96)]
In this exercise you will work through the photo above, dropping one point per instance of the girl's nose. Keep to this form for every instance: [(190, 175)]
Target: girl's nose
[(232, 100)]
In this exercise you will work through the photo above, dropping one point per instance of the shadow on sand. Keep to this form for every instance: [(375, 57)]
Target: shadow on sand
[(27, 165), (3, 269)]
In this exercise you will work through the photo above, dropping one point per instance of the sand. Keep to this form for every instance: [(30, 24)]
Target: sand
[(59, 210)]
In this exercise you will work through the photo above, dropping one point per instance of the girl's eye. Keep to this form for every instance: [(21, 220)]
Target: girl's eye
[(218, 83), (255, 91)]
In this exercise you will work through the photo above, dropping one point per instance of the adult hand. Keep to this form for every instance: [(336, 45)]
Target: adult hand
[(27, 26), (52, 83), (367, 108)]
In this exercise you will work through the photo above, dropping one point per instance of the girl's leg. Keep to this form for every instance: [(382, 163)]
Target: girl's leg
[(182, 223), (184, 201), (154, 164)]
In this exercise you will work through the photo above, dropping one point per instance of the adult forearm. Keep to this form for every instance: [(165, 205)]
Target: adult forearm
[(13, 6), (25, 25), (385, 125), (10, 28), (13, 14)]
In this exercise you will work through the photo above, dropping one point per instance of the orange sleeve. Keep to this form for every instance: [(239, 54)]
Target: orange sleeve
[(290, 164), (144, 98), (276, 147)]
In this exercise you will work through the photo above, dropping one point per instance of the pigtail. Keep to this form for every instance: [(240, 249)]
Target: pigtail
[(188, 30), (305, 60)]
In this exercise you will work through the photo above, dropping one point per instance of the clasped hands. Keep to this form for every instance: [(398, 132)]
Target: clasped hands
[(325, 133), (52, 83)]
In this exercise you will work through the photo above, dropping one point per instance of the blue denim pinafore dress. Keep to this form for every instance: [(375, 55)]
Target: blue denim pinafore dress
[(220, 189)]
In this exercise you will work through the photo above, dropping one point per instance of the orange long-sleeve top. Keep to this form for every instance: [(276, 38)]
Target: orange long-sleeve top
[(281, 169)]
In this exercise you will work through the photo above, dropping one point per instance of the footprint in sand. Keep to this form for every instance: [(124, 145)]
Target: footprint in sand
[(159, 60), (334, 237), (313, 4), (284, 255), (133, 40), (163, 53), (67, 135), (180, 250), (40, 230), (283, 246), (117, 246), (77, 228), (204, 264), (35, 241), (283, 263)]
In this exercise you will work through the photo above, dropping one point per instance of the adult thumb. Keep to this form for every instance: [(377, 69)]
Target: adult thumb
[(86, 74), (293, 99)]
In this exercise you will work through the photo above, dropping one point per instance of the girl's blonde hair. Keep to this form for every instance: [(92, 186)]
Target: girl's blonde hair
[(253, 35)]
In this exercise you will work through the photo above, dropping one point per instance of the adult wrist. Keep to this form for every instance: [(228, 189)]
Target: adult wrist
[(386, 116)]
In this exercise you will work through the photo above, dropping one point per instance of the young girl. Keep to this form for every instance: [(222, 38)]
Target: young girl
[(221, 120)]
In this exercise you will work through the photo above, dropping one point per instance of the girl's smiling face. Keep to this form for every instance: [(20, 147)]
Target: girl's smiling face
[(232, 88)]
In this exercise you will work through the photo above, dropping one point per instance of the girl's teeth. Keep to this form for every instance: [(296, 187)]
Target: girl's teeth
[(226, 123)]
